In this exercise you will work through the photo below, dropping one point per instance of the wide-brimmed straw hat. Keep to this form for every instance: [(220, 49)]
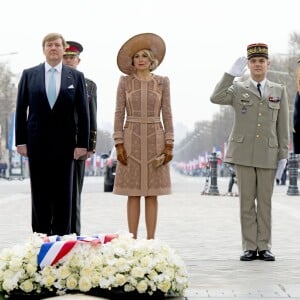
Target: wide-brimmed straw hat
[(138, 42)]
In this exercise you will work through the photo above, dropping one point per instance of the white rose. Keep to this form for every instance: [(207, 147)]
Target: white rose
[(137, 272), (64, 272), (108, 271), (30, 269), (71, 282), (142, 286), (95, 278), (26, 286), (120, 280), (48, 280), (146, 261), (164, 285), (15, 264), (84, 284)]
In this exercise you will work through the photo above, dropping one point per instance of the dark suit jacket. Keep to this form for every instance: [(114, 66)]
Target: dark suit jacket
[(296, 134), (48, 131)]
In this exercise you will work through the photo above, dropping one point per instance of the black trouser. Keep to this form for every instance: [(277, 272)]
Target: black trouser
[(78, 178), (51, 195), (231, 183)]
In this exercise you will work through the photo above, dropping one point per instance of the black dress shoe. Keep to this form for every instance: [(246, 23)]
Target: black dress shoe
[(266, 255), (249, 255)]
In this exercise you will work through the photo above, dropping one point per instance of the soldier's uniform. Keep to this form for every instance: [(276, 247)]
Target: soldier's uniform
[(75, 48), (258, 140)]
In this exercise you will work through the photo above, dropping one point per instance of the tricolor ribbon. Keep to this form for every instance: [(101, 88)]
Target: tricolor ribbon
[(53, 249)]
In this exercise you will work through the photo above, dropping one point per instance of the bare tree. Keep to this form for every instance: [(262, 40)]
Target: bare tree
[(221, 125), (104, 141)]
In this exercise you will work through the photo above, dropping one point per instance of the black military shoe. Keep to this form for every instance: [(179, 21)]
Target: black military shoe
[(266, 255), (249, 255)]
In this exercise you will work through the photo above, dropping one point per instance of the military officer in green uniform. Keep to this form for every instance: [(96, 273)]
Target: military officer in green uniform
[(258, 141), (71, 58)]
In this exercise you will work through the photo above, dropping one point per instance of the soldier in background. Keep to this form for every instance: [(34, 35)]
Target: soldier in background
[(71, 58)]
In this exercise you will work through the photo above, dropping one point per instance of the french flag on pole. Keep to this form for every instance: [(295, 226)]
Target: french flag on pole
[(53, 248)]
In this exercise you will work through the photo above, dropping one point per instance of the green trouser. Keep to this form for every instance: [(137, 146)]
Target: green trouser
[(256, 216)]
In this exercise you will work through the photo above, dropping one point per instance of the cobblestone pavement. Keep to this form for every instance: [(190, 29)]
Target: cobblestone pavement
[(204, 229)]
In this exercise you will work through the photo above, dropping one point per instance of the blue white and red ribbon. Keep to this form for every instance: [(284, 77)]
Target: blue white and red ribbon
[(53, 249)]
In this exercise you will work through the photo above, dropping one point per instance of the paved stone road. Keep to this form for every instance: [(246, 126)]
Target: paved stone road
[(204, 229)]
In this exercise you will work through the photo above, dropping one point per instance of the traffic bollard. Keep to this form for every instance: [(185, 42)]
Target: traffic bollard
[(293, 175), (213, 189)]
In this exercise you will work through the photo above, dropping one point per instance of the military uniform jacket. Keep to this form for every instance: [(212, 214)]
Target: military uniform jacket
[(91, 88), (260, 133)]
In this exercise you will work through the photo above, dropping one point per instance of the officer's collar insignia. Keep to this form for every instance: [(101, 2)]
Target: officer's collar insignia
[(246, 95)]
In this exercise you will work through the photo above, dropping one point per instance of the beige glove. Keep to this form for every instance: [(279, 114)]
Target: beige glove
[(168, 151), (121, 154)]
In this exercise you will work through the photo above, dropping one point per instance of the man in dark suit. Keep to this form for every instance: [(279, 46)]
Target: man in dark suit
[(296, 124), (71, 58), (46, 133)]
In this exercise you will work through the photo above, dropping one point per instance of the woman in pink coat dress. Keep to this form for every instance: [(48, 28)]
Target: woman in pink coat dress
[(143, 129)]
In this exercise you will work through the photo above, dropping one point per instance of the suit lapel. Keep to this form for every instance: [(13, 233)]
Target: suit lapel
[(67, 79), (41, 81)]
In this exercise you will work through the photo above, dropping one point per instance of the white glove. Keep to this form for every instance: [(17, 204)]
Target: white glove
[(280, 168), (239, 67)]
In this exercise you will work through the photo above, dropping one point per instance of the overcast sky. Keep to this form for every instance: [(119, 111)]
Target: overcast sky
[(203, 39)]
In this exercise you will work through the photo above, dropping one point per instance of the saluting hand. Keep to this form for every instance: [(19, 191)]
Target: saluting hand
[(239, 67)]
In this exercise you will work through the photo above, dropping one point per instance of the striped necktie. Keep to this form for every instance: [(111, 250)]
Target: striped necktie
[(51, 91)]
